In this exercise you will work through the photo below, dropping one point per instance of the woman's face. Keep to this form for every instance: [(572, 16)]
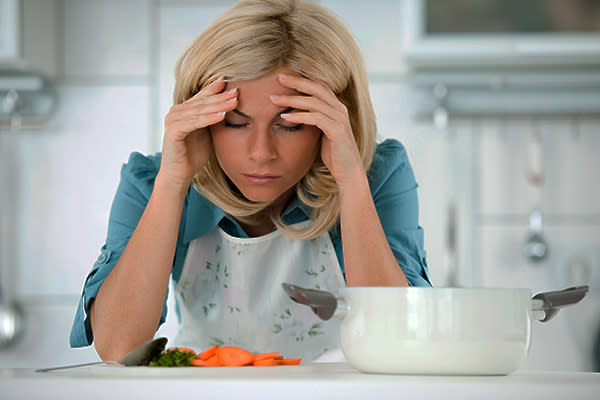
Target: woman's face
[(261, 153)]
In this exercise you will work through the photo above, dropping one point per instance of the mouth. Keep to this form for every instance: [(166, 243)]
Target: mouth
[(261, 179)]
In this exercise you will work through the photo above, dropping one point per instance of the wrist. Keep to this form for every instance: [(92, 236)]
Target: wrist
[(353, 183), (165, 183)]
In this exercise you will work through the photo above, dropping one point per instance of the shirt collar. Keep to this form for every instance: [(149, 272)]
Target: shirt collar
[(296, 211), (201, 216)]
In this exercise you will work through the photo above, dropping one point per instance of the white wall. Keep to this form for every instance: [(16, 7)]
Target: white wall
[(113, 65)]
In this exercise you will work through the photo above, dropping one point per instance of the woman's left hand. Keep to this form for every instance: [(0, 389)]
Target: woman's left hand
[(319, 106)]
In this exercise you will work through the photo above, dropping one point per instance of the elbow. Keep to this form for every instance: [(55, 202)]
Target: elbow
[(109, 344)]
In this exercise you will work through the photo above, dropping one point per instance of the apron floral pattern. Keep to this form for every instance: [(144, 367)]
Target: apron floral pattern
[(230, 293)]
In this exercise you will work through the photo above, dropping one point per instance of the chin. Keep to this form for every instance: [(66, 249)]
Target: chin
[(259, 197)]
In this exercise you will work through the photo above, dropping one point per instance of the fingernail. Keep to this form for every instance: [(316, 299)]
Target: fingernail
[(231, 101), (231, 91), (284, 116), (275, 97), (284, 77)]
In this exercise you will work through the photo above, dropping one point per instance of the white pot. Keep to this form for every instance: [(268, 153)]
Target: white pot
[(441, 331)]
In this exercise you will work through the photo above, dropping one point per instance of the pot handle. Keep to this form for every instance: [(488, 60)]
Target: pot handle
[(322, 303), (552, 302)]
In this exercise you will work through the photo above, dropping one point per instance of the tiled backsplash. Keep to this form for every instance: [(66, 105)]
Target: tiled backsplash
[(114, 89)]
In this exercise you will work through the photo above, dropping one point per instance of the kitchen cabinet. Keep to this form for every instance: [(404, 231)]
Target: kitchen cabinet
[(316, 380), (29, 38), (108, 40), (10, 40), (77, 40)]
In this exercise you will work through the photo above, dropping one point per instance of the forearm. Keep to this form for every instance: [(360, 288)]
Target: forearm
[(368, 258), (128, 306)]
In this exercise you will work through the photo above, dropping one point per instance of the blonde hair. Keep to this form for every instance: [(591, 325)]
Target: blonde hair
[(255, 37)]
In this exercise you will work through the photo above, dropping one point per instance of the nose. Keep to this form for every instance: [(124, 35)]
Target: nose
[(262, 147)]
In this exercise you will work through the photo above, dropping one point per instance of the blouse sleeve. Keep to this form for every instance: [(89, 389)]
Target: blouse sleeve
[(133, 193), (394, 191)]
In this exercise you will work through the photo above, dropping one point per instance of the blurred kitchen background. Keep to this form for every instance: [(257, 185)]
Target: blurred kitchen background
[(497, 102)]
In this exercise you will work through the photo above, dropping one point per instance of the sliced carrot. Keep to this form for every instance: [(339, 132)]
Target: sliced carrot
[(290, 361), (266, 362), (262, 356), (208, 353), (196, 362), (211, 362), (231, 356)]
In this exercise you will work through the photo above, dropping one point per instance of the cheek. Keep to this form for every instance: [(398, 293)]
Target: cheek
[(225, 149), (312, 142), (305, 148)]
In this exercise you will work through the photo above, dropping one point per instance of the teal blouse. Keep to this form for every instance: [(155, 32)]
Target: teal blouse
[(393, 188)]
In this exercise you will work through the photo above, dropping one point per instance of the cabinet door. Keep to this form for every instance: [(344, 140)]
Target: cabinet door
[(10, 48)]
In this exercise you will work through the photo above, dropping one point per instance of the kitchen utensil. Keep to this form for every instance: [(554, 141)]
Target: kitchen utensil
[(536, 248), (141, 355), (438, 331), (12, 322)]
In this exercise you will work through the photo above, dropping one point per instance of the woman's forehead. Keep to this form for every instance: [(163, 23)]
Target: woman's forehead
[(265, 85)]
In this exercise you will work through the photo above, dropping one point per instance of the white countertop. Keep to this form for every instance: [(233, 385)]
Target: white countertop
[(306, 382)]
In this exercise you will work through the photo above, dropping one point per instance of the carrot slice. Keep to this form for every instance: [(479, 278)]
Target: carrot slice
[(290, 361), (266, 362), (262, 356), (210, 362), (231, 356), (208, 353), (213, 361)]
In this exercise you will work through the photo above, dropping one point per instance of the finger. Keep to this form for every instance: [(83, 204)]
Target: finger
[(216, 98), (212, 88), (197, 112), (184, 118), (188, 109), (321, 121), (184, 126), (307, 103), (312, 88)]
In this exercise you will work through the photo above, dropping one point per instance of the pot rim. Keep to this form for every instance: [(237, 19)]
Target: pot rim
[(426, 288)]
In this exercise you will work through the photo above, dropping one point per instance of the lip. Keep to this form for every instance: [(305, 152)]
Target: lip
[(261, 179)]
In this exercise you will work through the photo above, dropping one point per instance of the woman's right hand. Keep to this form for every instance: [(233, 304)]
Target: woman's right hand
[(187, 142)]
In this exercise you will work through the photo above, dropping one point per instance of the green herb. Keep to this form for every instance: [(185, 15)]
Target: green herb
[(173, 358)]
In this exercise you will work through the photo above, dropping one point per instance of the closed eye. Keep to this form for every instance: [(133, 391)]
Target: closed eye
[(292, 128), (234, 126)]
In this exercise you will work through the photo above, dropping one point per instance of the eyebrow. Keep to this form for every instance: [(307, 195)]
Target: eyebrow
[(240, 113)]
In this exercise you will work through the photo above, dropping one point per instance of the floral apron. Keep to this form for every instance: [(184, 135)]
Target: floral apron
[(230, 293)]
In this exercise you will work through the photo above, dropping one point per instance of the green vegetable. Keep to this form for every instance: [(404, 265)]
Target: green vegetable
[(173, 358)]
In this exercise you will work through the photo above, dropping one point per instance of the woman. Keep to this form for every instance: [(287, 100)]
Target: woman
[(269, 173)]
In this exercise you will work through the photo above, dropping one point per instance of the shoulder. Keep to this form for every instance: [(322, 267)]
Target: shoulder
[(391, 166), (140, 165), (140, 171)]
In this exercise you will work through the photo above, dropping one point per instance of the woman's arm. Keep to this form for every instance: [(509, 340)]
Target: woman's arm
[(128, 306), (127, 309), (368, 258)]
